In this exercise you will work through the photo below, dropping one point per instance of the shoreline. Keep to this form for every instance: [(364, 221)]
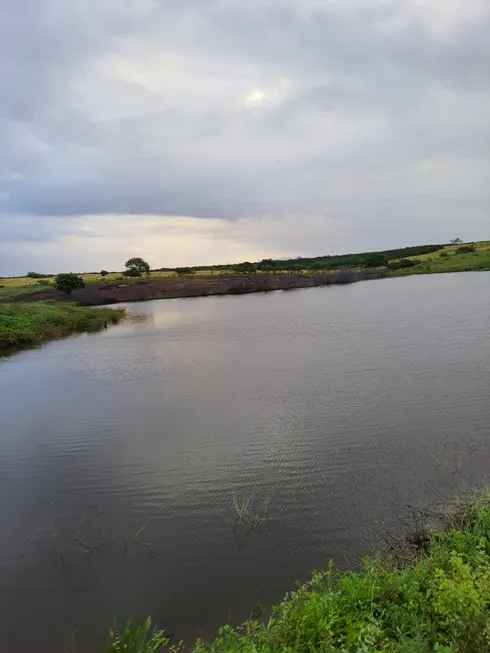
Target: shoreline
[(428, 594), (27, 324), (203, 286)]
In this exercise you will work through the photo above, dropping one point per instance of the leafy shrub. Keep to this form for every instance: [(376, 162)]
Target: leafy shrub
[(132, 272), (36, 275), (376, 261), (103, 273), (43, 282), (444, 255), (67, 282), (403, 263), (466, 249), (182, 272)]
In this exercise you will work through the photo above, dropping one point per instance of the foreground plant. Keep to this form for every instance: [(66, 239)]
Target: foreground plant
[(437, 603), (141, 639)]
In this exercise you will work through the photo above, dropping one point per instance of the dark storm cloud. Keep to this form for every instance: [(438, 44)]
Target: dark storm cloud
[(149, 107)]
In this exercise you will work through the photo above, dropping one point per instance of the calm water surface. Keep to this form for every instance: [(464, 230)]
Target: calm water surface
[(120, 452)]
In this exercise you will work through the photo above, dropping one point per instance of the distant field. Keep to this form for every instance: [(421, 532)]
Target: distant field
[(443, 260), (438, 262), (17, 286)]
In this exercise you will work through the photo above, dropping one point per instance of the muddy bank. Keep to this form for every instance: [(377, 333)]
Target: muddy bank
[(174, 287)]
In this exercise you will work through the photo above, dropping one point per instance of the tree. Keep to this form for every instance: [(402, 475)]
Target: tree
[(132, 272), (245, 268), (103, 273), (456, 241), (267, 265), (140, 264), (376, 261), (67, 282), (183, 272)]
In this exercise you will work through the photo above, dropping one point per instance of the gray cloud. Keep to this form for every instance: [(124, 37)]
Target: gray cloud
[(348, 110)]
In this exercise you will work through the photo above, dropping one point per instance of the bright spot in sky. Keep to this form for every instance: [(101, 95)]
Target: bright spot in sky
[(255, 96)]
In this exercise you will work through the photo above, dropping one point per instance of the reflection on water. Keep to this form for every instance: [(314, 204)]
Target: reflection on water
[(121, 452)]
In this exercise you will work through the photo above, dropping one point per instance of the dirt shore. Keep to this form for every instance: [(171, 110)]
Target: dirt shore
[(159, 288)]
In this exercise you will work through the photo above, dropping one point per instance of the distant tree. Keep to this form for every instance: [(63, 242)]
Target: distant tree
[(376, 261), (67, 282), (139, 263), (103, 273), (37, 275), (245, 268), (267, 265), (132, 272), (185, 272), (456, 241), (466, 249), (403, 263)]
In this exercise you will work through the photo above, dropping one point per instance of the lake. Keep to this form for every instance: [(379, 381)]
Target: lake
[(123, 453)]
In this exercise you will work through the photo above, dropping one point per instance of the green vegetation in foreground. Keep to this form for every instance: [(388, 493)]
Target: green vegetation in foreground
[(30, 323), (436, 601)]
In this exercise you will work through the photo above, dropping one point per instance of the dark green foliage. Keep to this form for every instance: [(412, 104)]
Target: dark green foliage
[(466, 249), (67, 282), (266, 265), (443, 255), (185, 272), (403, 264), (43, 282), (132, 272), (376, 261), (320, 263), (245, 268), (139, 263), (103, 273), (37, 275)]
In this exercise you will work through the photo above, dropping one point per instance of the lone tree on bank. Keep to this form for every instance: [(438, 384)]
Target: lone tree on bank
[(139, 264), (67, 282)]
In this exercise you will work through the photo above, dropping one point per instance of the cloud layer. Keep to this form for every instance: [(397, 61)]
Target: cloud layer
[(297, 126)]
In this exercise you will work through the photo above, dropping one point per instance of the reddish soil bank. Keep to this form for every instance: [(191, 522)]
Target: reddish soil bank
[(159, 288)]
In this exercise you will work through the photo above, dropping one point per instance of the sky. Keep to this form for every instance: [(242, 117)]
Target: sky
[(208, 131)]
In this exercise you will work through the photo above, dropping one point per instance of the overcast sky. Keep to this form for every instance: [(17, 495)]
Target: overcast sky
[(205, 131)]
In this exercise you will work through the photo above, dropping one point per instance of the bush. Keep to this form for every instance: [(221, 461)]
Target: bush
[(68, 282), (403, 263), (43, 282), (103, 273), (444, 255), (132, 272), (466, 249), (37, 275), (182, 272), (376, 261)]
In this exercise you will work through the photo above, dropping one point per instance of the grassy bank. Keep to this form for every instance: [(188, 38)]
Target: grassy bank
[(31, 323), (449, 259), (433, 598)]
